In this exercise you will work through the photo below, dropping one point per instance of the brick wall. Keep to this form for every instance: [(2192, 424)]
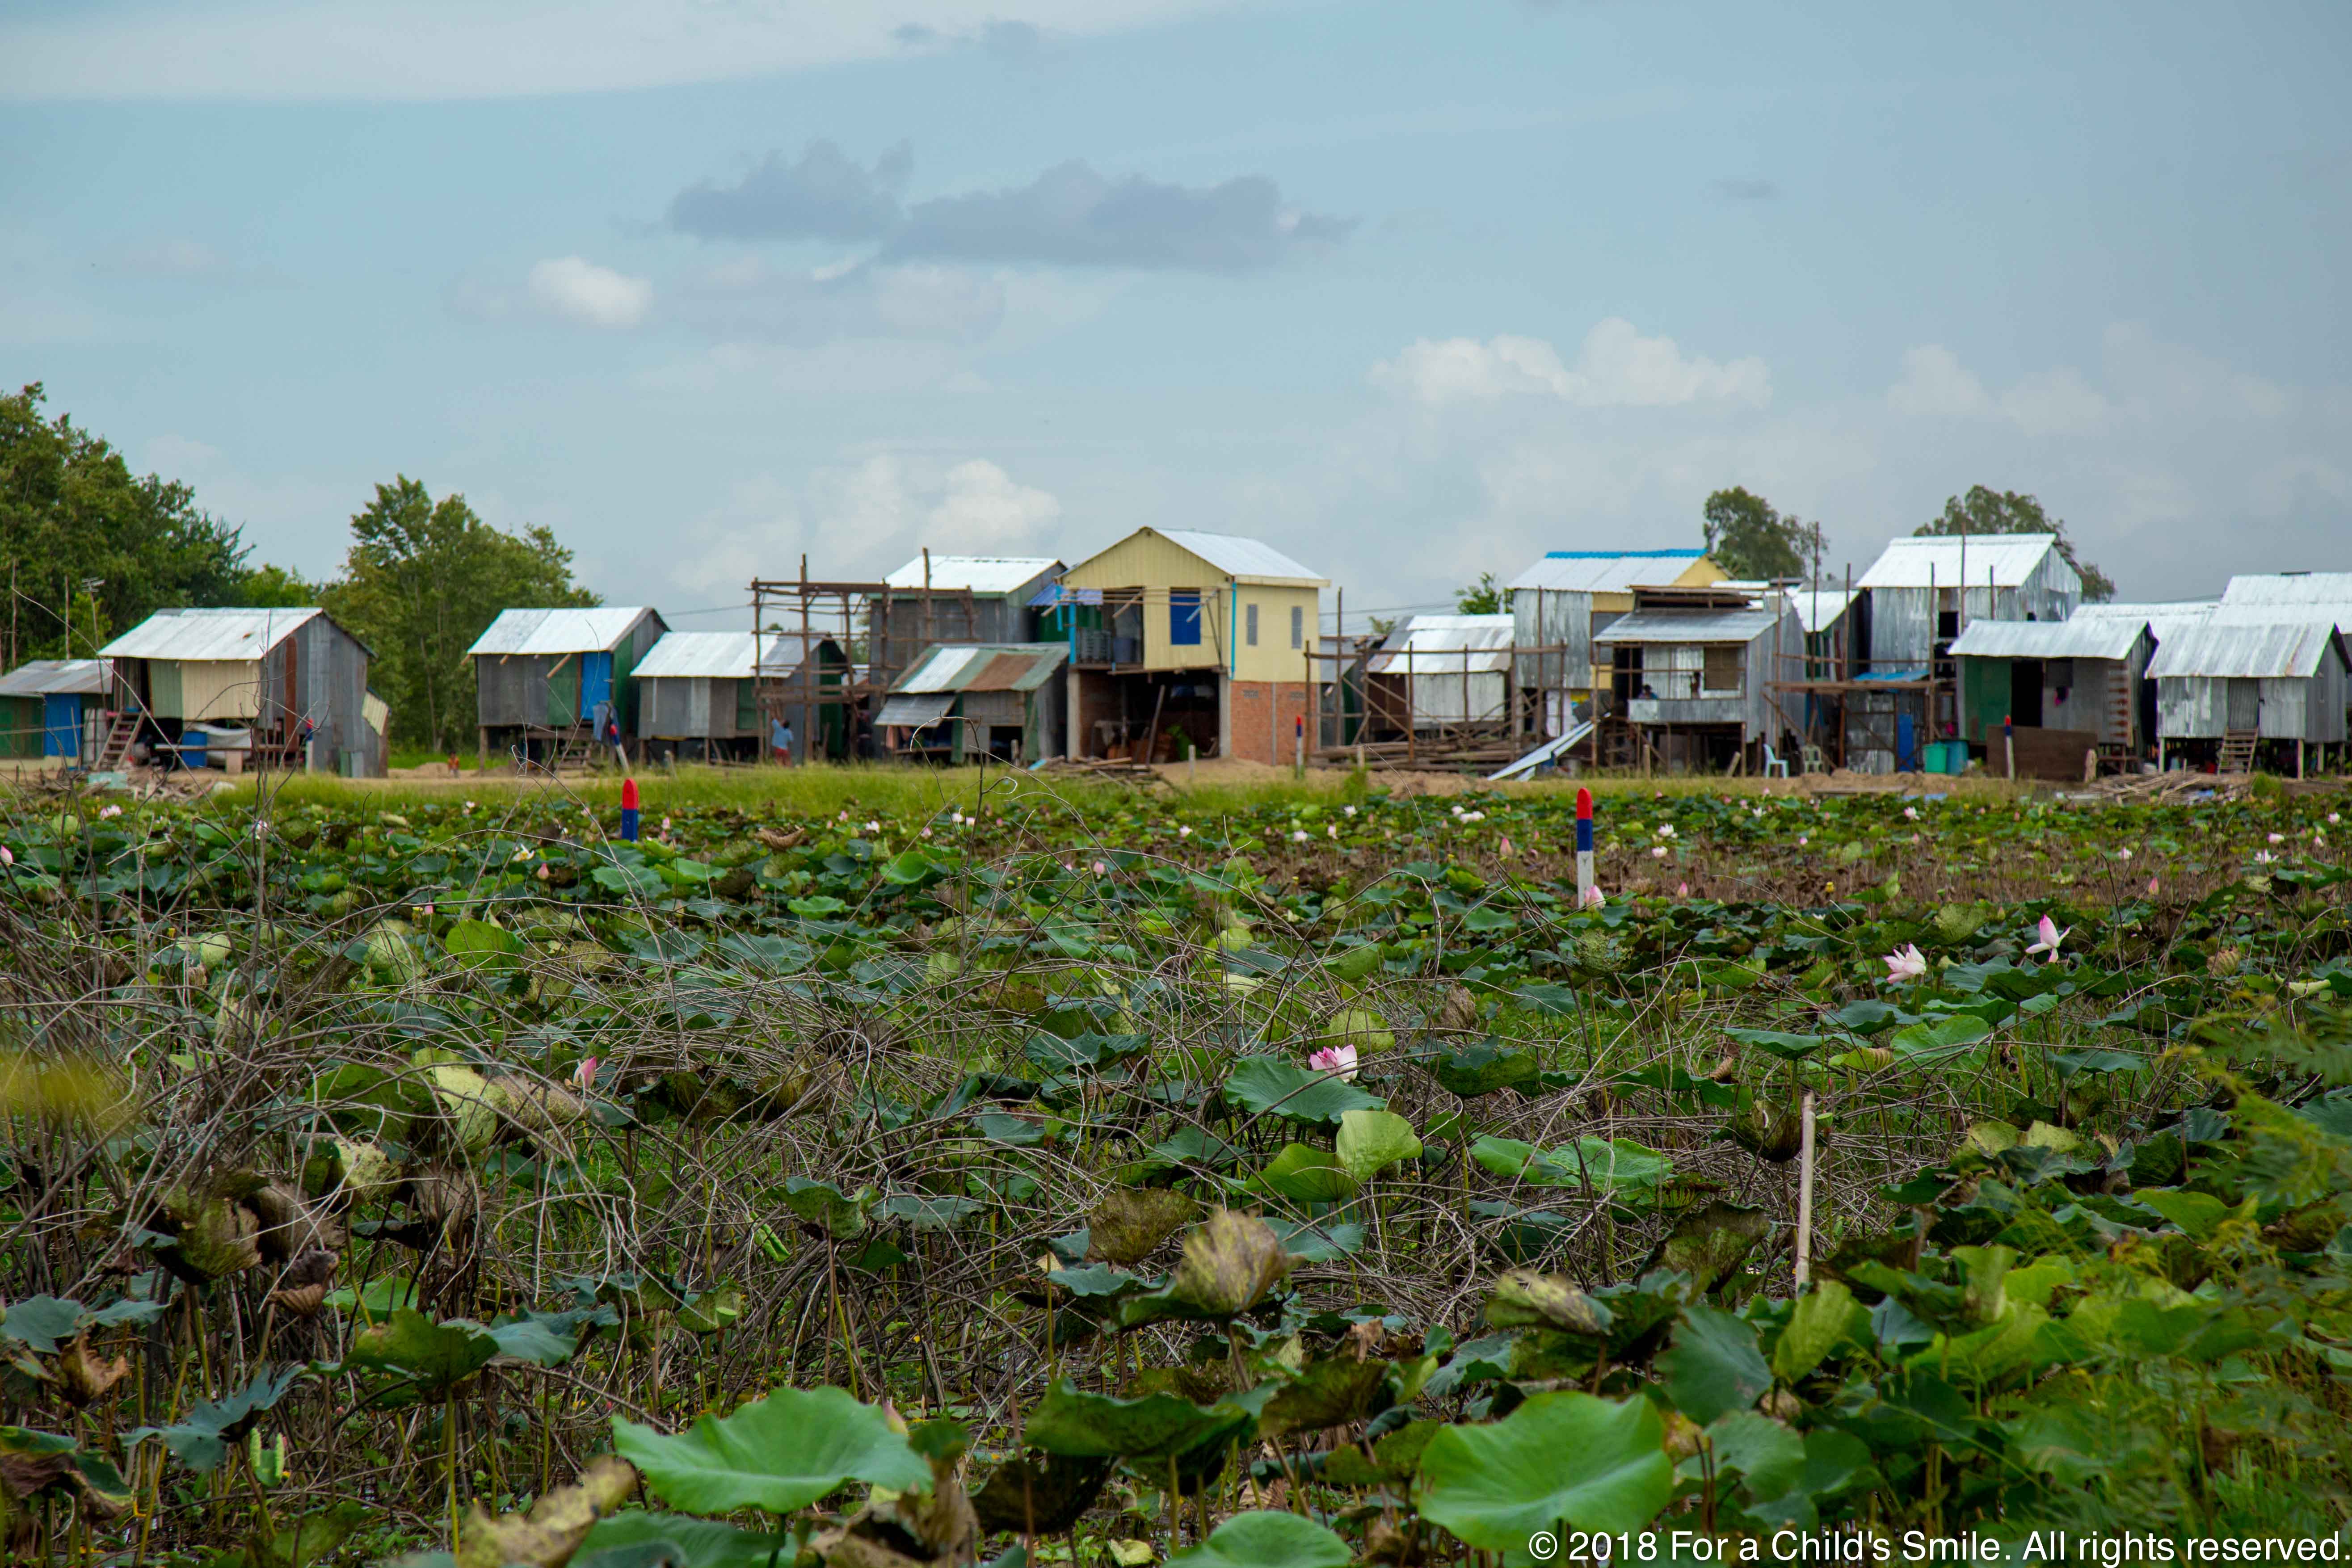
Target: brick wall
[(1250, 706)]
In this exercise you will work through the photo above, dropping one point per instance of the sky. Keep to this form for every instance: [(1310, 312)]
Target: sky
[(1411, 291)]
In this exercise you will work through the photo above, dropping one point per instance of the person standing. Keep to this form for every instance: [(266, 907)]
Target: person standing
[(780, 741)]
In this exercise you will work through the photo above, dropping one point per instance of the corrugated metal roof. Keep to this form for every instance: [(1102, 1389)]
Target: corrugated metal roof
[(2289, 588), (1819, 608), (979, 574), (1688, 626), (202, 635), (2107, 637), (2231, 648), (58, 676), (2167, 619), (914, 711), (1246, 560), (2003, 559), (1605, 570), (557, 631), (714, 655), (982, 667), (1445, 644)]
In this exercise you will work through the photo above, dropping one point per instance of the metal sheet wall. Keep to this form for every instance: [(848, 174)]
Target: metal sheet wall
[(1544, 617)]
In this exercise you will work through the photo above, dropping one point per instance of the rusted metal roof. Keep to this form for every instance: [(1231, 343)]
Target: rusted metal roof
[(984, 666)]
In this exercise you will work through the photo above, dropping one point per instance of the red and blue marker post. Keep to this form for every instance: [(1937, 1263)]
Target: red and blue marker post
[(1584, 846), (629, 810)]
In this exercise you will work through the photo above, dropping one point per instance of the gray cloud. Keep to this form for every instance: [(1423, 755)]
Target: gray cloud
[(825, 196), (1073, 216), (1746, 189), (1067, 217)]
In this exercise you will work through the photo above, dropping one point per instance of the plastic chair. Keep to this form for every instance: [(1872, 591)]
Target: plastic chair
[(1814, 762), (1775, 764)]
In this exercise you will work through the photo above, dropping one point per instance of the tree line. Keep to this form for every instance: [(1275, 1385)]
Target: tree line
[(92, 549)]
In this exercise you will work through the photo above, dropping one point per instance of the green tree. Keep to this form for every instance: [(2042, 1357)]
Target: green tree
[(1983, 510), (277, 588), (1484, 597), (1748, 538), (75, 523), (421, 581)]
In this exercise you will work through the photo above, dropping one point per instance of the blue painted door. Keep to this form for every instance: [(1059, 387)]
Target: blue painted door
[(61, 725), (595, 682), (1906, 744)]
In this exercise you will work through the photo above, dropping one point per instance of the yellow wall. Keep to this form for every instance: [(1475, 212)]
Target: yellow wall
[(1155, 564), (219, 689)]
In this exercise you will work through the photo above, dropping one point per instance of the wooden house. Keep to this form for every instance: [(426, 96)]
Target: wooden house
[(47, 706), (293, 679), (2240, 688), (697, 693), (1562, 599), (1694, 671), (937, 598), (1177, 636), (546, 681), (1008, 701), (2084, 677)]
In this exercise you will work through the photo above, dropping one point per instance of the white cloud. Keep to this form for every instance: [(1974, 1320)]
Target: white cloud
[(1616, 367), (1934, 383), (580, 290), (983, 505), (865, 515), (460, 48)]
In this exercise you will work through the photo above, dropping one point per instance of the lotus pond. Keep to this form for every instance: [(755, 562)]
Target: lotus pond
[(1015, 1173)]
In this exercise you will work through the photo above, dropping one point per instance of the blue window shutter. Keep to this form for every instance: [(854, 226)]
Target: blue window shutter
[(1184, 617)]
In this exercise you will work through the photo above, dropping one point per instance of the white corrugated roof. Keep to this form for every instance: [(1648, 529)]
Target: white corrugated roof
[(201, 636), (557, 631), (59, 677), (1606, 571), (2245, 647), (979, 574), (1447, 645), (2002, 560), (1667, 625), (2289, 588), (2167, 619), (1246, 560), (702, 656), (2097, 636), (1819, 608), (940, 667)]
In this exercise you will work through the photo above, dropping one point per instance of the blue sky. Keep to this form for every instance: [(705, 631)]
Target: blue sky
[(1412, 292)]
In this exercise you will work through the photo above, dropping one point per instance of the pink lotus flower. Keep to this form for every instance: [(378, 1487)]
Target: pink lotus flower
[(584, 1075), (1506, 845), (1910, 813), (2051, 937), (1592, 899), (1681, 890), (1340, 1060), (2151, 887), (1905, 963), (109, 811), (2278, 837), (1658, 853), (7, 858)]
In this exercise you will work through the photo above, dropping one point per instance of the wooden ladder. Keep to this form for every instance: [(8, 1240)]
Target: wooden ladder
[(115, 750), (2238, 751)]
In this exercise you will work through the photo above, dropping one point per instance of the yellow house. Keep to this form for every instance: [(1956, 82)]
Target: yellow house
[(1180, 638)]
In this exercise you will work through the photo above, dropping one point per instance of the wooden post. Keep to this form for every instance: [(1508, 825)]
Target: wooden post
[(482, 748), (1805, 1194)]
